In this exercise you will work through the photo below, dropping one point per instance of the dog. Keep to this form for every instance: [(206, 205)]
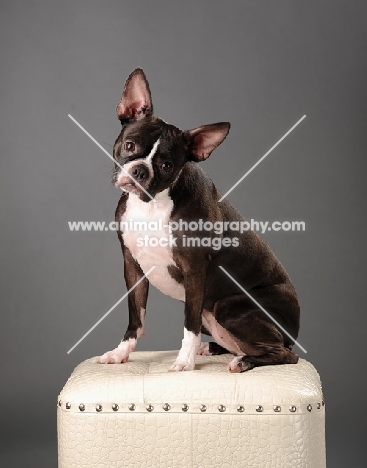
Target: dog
[(156, 168)]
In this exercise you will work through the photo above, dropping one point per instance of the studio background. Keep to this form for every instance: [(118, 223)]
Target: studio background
[(260, 65)]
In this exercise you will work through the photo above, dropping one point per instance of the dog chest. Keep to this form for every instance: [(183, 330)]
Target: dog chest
[(146, 234)]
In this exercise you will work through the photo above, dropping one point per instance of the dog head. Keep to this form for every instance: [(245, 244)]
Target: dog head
[(150, 153)]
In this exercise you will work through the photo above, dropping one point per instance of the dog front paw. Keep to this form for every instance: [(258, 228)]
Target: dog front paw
[(179, 366), (185, 360), (118, 355), (113, 357)]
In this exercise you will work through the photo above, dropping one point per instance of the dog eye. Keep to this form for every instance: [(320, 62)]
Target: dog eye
[(167, 166), (129, 146)]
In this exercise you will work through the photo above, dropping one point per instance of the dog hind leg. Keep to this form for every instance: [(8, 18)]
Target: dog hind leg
[(255, 334)]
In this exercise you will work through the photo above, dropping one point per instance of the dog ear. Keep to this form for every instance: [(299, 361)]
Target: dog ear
[(136, 100), (203, 140)]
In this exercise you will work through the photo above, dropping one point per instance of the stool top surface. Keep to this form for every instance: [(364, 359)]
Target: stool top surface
[(145, 380)]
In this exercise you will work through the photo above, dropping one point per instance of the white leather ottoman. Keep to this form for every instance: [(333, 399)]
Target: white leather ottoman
[(139, 415)]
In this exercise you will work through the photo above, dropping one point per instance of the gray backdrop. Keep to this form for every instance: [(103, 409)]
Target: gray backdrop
[(261, 65)]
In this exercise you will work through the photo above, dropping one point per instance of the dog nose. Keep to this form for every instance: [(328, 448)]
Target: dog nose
[(140, 172)]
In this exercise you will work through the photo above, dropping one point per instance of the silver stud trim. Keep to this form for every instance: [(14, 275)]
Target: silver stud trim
[(185, 407), (323, 402)]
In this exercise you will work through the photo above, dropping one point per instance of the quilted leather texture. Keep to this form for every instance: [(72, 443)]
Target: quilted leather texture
[(167, 426)]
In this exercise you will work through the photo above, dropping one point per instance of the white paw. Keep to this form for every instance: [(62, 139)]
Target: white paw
[(179, 366), (118, 355), (236, 364), (204, 349), (185, 360), (113, 357)]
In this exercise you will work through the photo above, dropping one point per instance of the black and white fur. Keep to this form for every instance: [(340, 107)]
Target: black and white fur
[(163, 160)]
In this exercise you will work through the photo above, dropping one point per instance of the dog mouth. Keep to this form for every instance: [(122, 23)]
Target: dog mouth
[(128, 186), (123, 180)]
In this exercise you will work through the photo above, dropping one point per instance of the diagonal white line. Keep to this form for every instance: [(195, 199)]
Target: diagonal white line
[(108, 154), (262, 308), (261, 159), (112, 308)]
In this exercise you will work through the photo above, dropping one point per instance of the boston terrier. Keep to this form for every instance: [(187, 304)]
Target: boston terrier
[(162, 184)]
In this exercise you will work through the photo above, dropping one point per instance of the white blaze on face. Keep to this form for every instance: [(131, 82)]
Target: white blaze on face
[(123, 178), (150, 156)]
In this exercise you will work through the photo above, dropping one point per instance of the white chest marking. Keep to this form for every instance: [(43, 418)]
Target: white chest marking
[(153, 214)]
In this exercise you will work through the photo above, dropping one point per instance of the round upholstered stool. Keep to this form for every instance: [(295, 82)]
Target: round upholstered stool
[(139, 415)]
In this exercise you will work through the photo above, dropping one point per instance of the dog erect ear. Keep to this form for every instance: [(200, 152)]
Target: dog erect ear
[(136, 100), (203, 140)]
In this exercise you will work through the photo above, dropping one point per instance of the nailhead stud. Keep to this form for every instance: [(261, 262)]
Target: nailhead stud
[(166, 407), (185, 407), (68, 405), (115, 407), (98, 408), (323, 402), (82, 406), (309, 408), (259, 409), (132, 407), (203, 408), (150, 408), (240, 409), (318, 405), (221, 408), (292, 409), (60, 403), (277, 409)]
